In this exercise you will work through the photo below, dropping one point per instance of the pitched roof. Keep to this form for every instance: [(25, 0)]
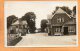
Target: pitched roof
[(59, 11), (72, 21), (16, 23)]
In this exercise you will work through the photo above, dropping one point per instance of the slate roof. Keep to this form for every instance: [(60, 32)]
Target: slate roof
[(16, 23), (60, 11)]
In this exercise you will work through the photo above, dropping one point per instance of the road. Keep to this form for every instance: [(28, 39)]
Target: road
[(43, 40)]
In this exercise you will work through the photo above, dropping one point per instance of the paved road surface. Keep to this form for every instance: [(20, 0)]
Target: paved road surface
[(42, 39)]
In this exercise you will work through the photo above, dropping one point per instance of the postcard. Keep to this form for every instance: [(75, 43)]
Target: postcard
[(41, 23)]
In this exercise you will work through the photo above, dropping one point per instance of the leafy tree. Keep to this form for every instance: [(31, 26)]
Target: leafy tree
[(11, 19), (74, 9), (43, 25), (66, 9), (55, 9), (30, 18)]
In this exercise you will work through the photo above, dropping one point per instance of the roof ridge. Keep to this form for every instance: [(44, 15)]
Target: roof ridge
[(61, 12)]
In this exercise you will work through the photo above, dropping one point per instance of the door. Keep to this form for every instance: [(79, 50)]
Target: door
[(65, 30)]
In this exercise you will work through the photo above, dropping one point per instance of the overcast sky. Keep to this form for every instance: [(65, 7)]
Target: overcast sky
[(41, 9)]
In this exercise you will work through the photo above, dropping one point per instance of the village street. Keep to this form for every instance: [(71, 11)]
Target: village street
[(42, 39)]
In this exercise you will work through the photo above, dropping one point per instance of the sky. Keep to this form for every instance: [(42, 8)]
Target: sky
[(41, 8)]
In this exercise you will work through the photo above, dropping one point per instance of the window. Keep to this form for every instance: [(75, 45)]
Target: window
[(58, 29), (71, 29), (60, 20)]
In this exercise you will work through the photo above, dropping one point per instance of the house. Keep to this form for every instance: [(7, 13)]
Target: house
[(18, 27), (16, 30), (61, 23), (13, 32)]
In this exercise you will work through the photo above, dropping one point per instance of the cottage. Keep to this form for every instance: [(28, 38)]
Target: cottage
[(13, 32), (61, 23), (18, 27)]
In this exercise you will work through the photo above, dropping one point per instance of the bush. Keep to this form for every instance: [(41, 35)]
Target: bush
[(15, 41)]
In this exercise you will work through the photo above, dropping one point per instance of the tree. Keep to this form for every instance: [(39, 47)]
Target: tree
[(74, 9), (43, 25), (11, 19), (55, 9), (66, 9), (30, 18)]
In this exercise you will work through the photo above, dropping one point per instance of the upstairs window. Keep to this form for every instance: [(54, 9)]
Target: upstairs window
[(60, 20)]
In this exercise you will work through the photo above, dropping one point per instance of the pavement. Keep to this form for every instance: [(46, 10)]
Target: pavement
[(43, 40)]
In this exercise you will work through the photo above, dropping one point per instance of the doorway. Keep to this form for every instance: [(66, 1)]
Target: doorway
[(65, 30)]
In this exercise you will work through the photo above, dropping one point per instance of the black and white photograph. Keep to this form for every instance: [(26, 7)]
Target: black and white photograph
[(41, 23)]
